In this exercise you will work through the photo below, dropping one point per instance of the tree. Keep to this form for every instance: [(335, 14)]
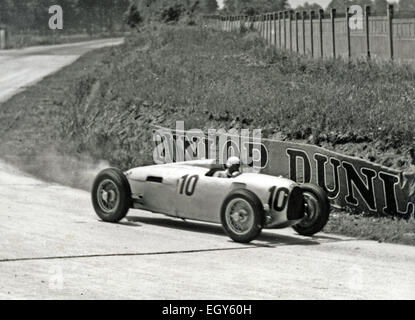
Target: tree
[(230, 6), (257, 6), (172, 13), (380, 6), (407, 5), (340, 5), (133, 17), (309, 6), (209, 6), (364, 3)]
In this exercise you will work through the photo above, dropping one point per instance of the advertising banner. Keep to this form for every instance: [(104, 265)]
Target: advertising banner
[(349, 181)]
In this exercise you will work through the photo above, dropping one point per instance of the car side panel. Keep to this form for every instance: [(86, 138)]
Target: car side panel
[(205, 202)]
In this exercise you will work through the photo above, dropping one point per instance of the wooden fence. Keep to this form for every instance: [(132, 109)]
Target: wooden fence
[(3, 37), (322, 34)]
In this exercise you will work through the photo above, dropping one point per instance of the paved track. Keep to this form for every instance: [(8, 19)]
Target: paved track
[(53, 246)]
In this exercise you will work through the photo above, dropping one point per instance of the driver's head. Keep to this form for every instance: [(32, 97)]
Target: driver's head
[(233, 164)]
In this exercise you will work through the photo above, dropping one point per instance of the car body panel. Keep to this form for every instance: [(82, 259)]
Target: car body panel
[(184, 190)]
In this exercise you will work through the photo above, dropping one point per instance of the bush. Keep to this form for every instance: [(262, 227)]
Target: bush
[(173, 13), (133, 17)]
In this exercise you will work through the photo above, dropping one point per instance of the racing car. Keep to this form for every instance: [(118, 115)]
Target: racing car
[(243, 204)]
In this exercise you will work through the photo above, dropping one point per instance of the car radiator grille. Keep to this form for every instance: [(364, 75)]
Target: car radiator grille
[(295, 209)]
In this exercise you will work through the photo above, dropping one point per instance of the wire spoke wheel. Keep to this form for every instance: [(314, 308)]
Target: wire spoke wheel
[(111, 195), (240, 216), (108, 196)]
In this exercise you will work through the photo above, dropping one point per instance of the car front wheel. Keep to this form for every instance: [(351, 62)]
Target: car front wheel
[(242, 216), (317, 210)]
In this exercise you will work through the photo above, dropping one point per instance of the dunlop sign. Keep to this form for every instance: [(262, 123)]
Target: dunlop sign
[(349, 181)]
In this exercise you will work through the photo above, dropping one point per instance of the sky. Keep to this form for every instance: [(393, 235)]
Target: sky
[(295, 3)]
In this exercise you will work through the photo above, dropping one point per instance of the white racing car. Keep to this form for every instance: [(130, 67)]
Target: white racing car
[(244, 204)]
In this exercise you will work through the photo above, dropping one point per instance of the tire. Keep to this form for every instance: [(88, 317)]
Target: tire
[(250, 211), (117, 202), (318, 203)]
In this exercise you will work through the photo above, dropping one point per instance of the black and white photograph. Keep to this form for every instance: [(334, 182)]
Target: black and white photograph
[(183, 151)]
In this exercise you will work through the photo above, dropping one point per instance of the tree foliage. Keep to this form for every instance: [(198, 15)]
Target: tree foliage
[(309, 6), (209, 6), (254, 6), (77, 14), (133, 17), (407, 5), (379, 6)]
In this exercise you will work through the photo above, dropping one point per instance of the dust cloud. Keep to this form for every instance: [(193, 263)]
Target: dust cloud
[(51, 166)]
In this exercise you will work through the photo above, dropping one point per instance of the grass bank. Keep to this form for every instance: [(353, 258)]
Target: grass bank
[(104, 106)]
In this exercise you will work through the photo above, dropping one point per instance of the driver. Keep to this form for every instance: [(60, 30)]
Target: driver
[(233, 169)]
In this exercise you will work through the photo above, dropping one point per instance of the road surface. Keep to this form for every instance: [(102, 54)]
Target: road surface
[(54, 247), (21, 68)]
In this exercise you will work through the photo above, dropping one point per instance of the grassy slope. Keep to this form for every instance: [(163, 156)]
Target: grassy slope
[(102, 107)]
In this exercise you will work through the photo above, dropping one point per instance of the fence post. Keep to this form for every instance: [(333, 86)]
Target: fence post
[(270, 28), (297, 15), (320, 23), (390, 29), (275, 28), (3, 37), (312, 33), (285, 29), (260, 17), (266, 27), (279, 29), (367, 15), (290, 29), (349, 51), (258, 23), (303, 25), (333, 31)]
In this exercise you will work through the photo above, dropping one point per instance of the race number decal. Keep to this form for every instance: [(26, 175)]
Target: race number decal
[(278, 198), (187, 185)]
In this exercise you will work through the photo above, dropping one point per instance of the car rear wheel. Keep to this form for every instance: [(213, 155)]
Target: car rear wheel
[(317, 210), (111, 195), (242, 216)]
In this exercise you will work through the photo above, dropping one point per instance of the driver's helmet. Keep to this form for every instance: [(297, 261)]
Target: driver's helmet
[(233, 164)]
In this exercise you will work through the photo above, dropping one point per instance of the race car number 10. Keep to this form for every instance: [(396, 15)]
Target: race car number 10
[(187, 185), (278, 198)]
